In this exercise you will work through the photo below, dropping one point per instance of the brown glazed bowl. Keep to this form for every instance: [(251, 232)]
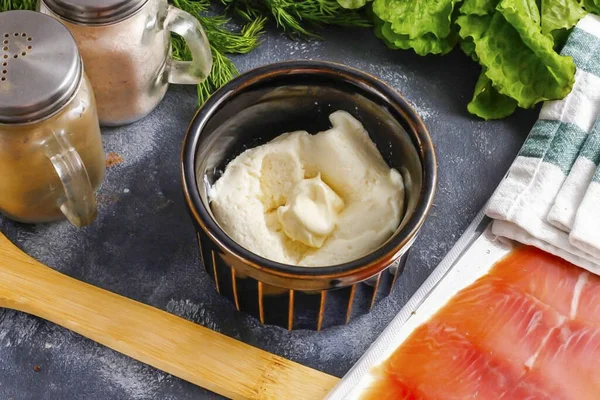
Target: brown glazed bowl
[(299, 95)]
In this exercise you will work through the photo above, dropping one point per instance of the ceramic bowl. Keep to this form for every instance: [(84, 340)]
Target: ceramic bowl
[(300, 95)]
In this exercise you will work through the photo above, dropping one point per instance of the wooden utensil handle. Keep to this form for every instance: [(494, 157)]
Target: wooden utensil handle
[(162, 340)]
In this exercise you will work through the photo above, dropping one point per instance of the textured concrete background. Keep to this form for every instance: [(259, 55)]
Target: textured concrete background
[(143, 244)]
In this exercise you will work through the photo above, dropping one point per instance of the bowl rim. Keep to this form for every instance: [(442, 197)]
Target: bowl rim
[(365, 266)]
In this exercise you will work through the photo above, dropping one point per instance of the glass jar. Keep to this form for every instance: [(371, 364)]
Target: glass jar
[(51, 156), (125, 46)]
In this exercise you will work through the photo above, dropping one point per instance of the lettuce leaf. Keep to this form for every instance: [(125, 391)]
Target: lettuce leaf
[(487, 103), (560, 15), (592, 6), (468, 47), (557, 73), (423, 45), (518, 59), (472, 27), (513, 40), (417, 18), (352, 4), (560, 37), (478, 7), (527, 10), (424, 26)]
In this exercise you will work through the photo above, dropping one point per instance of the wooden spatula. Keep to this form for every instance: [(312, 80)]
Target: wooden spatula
[(169, 343)]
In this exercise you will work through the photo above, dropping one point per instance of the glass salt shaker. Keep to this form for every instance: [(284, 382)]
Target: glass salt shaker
[(125, 46), (51, 156)]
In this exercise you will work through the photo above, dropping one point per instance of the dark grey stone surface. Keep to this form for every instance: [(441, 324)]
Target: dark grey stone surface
[(143, 245)]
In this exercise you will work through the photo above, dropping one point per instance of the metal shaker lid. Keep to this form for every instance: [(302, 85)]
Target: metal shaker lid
[(40, 67), (94, 12)]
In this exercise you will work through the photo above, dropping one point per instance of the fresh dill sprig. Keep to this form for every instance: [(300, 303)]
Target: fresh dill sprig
[(293, 15), (222, 42), (8, 5)]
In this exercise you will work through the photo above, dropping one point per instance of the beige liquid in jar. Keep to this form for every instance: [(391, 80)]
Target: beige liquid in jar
[(30, 189)]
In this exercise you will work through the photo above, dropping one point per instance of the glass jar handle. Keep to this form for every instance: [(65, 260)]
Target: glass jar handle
[(79, 201), (197, 70)]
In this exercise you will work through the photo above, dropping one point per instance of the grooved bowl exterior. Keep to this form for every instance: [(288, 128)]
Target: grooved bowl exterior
[(295, 309), (258, 106)]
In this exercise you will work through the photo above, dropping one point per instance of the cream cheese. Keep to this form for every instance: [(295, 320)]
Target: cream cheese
[(311, 200), (310, 212)]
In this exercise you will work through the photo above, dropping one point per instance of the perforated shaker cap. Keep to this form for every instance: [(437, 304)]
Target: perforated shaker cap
[(40, 67), (94, 12)]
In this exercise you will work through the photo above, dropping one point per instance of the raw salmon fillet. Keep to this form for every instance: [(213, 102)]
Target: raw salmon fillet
[(533, 386), (389, 388), (548, 278), (573, 292), (571, 359), (438, 362), (501, 320), (528, 330), (588, 302)]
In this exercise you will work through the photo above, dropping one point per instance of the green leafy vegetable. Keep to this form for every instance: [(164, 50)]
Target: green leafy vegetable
[(560, 38), (560, 15), (592, 6), (553, 78), (352, 4), (472, 27), (515, 41), (516, 70), (520, 66), (424, 26), (416, 18), (487, 103), (422, 45), (478, 7), (519, 63)]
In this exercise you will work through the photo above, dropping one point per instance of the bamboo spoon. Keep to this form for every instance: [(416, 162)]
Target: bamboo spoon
[(162, 340)]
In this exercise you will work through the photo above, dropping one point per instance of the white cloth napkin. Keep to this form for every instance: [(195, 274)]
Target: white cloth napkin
[(547, 198)]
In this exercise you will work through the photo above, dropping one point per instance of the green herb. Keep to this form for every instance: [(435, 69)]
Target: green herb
[(293, 16), (222, 42), (7, 5)]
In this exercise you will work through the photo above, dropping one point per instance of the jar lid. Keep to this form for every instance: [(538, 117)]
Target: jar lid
[(40, 67), (94, 12)]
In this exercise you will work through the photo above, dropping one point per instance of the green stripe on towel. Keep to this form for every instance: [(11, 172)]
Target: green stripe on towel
[(539, 138), (596, 177), (585, 50), (565, 147), (555, 142), (591, 147)]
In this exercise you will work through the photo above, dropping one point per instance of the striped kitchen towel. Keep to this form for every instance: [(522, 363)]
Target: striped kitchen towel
[(567, 202), (586, 228), (546, 198)]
